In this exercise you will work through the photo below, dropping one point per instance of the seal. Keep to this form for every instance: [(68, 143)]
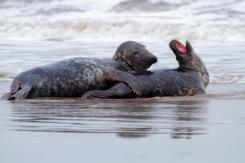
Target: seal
[(75, 76), (190, 78)]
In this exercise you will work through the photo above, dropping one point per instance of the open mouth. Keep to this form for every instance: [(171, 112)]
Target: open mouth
[(182, 48)]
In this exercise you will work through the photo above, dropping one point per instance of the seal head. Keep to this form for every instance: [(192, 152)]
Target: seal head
[(134, 57), (188, 59)]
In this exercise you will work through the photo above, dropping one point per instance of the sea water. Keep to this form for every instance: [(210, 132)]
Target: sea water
[(145, 20), (225, 60), (34, 32), (207, 128)]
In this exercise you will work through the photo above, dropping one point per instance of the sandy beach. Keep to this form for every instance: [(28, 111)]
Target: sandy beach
[(202, 129)]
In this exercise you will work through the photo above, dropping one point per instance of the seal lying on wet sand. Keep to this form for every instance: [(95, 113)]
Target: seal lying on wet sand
[(73, 77), (190, 78)]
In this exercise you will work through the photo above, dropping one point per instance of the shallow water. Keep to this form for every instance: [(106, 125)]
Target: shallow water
[(225, 60), (208, 128), (204, 129)]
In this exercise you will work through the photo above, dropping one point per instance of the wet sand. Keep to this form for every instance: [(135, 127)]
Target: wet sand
[(209, 128)]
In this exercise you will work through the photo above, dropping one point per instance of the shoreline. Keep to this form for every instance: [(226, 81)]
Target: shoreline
[(217, 91)]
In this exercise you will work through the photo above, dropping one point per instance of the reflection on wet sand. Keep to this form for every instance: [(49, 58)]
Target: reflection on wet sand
[(130, 118), (187, 114)]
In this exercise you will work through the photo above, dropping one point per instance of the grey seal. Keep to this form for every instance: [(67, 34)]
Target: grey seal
[(75, 76), (190, 78)]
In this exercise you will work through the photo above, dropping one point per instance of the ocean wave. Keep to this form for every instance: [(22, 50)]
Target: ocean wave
[(49, 7), (143, 20), (98, 30), (4, 76), (183, 6), (143, 5), (219, 20)]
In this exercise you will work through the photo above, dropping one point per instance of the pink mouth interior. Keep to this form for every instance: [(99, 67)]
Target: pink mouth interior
[(181, 47)]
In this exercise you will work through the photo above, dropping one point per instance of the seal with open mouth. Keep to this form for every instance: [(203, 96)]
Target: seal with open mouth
[(73, 77), (190, 78)]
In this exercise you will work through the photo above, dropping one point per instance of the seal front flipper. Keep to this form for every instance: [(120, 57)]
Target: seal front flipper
[(7, 96), (13, 89), (124, 77), (119, 90), (22, 93)]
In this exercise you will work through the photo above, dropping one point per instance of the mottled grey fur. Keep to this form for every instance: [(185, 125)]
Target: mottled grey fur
[(191, 78), (73, 77)]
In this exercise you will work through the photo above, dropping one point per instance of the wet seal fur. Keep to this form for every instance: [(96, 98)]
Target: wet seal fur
[(190, 78), (73, 77)]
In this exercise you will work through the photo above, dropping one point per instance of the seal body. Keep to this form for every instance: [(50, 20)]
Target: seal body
[(163, 82), (190, 78), (69, 78), (171, 83), (73, 77)]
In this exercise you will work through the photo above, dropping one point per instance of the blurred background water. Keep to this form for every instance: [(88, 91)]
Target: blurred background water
[(37, 32), (145, 20)]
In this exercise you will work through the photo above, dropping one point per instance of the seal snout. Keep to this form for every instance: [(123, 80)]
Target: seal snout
[(153, 59), (148, 61), (178, 47)]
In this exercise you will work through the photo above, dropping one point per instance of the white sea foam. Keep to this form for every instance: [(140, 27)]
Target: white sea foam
[(92, 20), (106, 29)]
